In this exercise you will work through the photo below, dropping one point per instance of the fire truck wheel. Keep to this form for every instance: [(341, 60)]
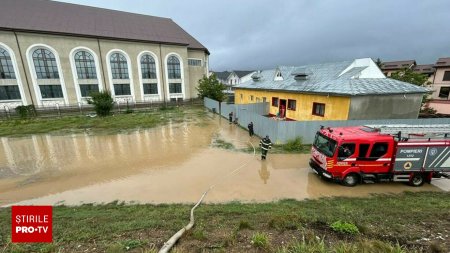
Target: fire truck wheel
[(351, 179), (417, 180)]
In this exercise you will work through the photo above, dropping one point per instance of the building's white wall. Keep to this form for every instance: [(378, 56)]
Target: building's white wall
[(371, 70), (439, 82), (8, 104), (247, 77), (64, 46)]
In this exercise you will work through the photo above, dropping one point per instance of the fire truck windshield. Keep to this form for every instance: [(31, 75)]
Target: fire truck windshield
[(324, 144)]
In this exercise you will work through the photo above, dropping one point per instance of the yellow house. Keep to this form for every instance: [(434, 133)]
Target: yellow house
[(333, 91)]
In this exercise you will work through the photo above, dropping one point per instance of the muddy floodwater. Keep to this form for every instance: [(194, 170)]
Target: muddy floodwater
[(174, 163)]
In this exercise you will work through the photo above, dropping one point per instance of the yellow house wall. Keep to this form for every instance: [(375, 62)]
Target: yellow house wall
[(336, 108)]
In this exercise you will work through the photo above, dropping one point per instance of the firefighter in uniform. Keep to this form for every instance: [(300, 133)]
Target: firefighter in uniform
[(265, 145)]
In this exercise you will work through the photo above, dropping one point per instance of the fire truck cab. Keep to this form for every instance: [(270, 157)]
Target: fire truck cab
[(352, 155)]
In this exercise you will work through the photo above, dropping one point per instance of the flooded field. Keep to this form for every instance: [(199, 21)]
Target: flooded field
[(175, 163)]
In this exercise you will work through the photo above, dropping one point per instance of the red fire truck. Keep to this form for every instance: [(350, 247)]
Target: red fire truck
[(375, 153)]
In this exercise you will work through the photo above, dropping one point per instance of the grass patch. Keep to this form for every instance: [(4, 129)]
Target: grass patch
[(244, 225), (284, 222), (393, 223), (260, 240), (315, 245), (318, 245), (219, 143), (110, 124), (199, 234), (282, 149)]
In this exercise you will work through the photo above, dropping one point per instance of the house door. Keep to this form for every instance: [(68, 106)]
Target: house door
[(282, 108)]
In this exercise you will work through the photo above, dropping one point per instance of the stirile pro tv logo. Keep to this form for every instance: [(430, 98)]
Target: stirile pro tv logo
[(31, 224)]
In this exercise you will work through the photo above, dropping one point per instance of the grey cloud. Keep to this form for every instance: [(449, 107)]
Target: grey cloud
[(262, 34)]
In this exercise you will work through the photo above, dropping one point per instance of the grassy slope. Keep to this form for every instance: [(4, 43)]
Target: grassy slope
[(382, 220)]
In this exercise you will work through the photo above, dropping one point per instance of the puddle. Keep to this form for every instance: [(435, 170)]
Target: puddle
[(169, 164)]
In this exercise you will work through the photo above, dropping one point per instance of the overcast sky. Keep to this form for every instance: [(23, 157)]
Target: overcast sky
[(262, 34)]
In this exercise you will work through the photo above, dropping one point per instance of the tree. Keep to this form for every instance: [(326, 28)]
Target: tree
[(409, 76), (379, 62), (210, 87), (102, 101)]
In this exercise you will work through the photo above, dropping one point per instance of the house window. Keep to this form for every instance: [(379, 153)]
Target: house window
[(119, 66), (45, 64), (6, 67), (87, 89), (318, 109), (175, 88), (9, 92), (150, 88), (242, 97), (122, 89), (173, 68), (275, 101), (85, 64), (258, 100), (148, 67), (195, 62), (446, 76), (264, 99), (51, 91), (251, 97), (292, 104), (444, 92)]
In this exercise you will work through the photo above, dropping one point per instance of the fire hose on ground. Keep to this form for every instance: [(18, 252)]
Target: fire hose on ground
[(169, 244)]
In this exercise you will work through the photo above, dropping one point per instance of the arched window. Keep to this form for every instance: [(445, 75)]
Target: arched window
[(148, 67), (173, 68), (6, 67), (119, 66), (85, 64), (45, 64)]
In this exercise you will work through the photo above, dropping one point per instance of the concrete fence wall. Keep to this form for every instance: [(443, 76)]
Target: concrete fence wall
[(211, 104), (282, 131)]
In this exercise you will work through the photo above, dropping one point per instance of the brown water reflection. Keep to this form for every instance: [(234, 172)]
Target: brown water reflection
[(169, 164)]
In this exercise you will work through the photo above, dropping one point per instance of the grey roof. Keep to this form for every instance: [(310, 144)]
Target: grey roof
[(325, 79), (43, 16), (241, 73), (393, 65), (442, 62), (424, 69), (222, 75)]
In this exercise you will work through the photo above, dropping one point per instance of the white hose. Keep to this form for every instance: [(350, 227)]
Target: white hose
[(169, 244)]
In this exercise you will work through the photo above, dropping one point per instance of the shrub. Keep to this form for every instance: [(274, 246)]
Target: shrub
[(25, 111), (103, 103), (345, 227), (293, 145)]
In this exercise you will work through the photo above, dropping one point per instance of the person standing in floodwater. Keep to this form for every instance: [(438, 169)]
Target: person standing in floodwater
[(230, 117), (265, 145), (250, 129)]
